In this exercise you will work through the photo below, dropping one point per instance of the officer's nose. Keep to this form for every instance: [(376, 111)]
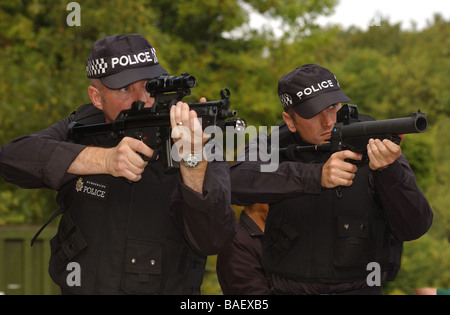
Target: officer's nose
[(144, 95), (326, 120)]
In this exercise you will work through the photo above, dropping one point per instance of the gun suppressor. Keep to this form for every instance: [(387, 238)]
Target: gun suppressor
[(417, 123)]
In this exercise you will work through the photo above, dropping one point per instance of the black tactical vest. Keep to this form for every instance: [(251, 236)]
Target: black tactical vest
[(330, 237), (121, 234)]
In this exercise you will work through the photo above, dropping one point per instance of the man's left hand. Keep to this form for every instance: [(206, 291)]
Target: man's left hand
[(382, 153), (187, 128)]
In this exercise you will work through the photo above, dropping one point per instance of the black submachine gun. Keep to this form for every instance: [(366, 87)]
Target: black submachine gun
[(152, 125), (349, 133)]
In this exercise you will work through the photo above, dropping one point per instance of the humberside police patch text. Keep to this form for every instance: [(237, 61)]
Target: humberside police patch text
[(92, 189)]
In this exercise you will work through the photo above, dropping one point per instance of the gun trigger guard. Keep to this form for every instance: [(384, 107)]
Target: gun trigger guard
[(154, 157), (396, 139), (144, 157)]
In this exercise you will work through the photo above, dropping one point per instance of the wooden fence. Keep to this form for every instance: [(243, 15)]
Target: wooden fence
[(24, 269)]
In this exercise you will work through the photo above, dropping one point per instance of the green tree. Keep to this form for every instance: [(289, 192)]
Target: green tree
[(438, 191)]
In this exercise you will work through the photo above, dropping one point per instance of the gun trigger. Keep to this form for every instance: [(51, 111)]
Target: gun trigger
[(140, 136), (354, 162), (144, 157), (153, 158)]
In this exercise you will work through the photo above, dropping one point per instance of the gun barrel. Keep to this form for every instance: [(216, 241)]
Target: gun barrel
[(417, 123)]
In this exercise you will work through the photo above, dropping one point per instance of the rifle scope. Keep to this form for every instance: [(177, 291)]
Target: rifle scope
[(167, 83)]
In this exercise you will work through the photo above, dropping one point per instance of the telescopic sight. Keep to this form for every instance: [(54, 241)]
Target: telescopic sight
[(169, 83)]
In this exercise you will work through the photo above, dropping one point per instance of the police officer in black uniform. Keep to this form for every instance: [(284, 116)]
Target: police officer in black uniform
[(328, 218), (130, 227)]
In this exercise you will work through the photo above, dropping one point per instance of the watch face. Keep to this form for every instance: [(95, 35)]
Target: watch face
[(191, 161)]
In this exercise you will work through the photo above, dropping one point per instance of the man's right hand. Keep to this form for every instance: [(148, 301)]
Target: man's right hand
[(124, 160), (120, 161), (337, 171)]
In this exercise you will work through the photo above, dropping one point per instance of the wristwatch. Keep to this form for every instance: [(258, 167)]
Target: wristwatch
[(191, 161)]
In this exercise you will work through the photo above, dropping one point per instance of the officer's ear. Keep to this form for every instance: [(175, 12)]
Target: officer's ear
[(95, 94), (289, 122)]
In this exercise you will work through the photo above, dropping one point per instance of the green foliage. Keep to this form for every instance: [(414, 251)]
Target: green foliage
[(20, 206), (437, 192), (425, 263), (388, 72), (418, 149), (210, 282)]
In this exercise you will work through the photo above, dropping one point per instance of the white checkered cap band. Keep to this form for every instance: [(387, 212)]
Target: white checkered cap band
[(286, 100), (96, 67), (106, 66)]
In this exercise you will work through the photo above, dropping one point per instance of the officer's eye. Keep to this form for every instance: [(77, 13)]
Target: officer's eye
[(334, 107), (125, 89)]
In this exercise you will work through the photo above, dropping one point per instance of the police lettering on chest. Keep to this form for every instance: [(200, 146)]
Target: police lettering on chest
[(91, 189)]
